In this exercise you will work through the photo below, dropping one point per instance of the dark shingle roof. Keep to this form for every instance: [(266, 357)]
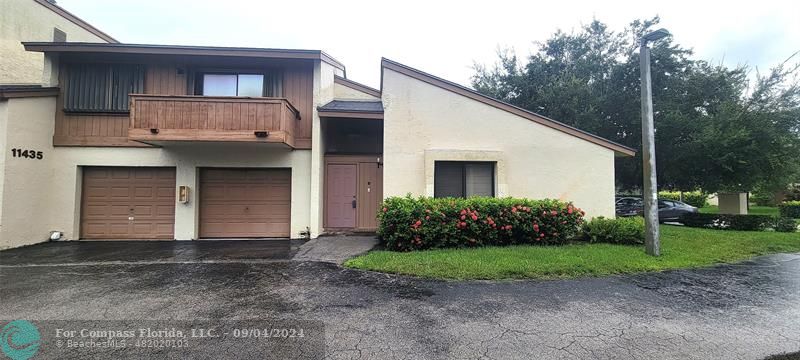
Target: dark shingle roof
[(353, 106)]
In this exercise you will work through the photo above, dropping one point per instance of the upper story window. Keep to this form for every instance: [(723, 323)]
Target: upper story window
[(463, 179), (239, 84), (101, 87)]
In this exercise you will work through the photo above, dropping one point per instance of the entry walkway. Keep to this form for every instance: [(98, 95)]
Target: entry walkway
[(335, 249)]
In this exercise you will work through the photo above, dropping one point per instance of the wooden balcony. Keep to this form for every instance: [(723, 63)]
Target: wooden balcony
[(162, 119)]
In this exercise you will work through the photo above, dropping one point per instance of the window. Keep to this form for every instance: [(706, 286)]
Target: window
[(232, 84), (101, 87), (463, 179), (219, 85)]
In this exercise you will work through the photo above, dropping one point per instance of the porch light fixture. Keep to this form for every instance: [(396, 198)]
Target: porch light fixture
[(261, 134)]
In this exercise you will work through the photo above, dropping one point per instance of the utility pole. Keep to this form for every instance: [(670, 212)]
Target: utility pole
[(652, 242)]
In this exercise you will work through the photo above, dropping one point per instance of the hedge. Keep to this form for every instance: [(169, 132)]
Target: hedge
[(790, 209), (406, 223), (729, 222), (694, 198), (625, 230), (785, 224)]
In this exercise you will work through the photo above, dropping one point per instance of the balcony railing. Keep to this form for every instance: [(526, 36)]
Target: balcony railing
[(160, 119)]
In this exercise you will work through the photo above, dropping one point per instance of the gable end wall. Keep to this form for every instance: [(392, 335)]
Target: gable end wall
[(423, 121)]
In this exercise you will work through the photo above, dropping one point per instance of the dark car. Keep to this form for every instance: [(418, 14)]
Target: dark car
[(668, 210), (628, 206)]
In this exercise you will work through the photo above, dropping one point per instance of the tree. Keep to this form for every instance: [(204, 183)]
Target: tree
[(713, 131)]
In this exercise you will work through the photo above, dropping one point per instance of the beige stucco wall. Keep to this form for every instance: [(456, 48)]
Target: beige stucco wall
[(732, 203), (27, 184), (344, 92), (43, 195), (537, 161), (26, 20), (323, 93)]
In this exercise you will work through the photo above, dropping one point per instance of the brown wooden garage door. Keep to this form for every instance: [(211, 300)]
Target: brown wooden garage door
[(128, 203), (244, 203)]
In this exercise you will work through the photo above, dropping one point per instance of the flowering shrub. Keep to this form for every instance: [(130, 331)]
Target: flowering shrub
[(408, 224)]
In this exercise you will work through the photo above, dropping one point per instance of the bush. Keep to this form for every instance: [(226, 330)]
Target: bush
[(790, 209), (694, 198), (750, 222), (627, 230), (785, 224), (762, 198), (406, 223), (728, 221), (792, 193)]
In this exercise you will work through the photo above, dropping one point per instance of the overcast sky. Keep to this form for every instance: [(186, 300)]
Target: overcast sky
[(441, 37)]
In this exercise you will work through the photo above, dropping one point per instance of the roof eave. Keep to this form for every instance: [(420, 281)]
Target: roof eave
[(150, 49), (357, 86)]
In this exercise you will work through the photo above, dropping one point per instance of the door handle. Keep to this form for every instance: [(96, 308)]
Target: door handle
[(354, 203)]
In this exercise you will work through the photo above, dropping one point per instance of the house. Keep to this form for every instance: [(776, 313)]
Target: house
[(127, 141), (36, 20)]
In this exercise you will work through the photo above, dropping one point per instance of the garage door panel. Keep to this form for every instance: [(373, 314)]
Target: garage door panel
[(245, 202), (119, 230), (143, 211), (165, 211), (164, 192), (116, 210), (143, 192), (112, 196), (122, 192), (120, 173)]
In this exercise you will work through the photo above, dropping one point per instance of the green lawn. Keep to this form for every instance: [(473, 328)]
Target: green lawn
[(755, 210), (682, 247)]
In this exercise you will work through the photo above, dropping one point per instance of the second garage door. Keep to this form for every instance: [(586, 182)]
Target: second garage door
[(245, 203)]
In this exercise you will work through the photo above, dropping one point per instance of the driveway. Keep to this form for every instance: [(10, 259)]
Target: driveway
[(744, 311)]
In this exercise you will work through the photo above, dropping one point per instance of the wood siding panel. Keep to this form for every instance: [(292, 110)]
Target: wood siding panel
[(298, 85), (172, 79), (163, 79), (236, 118), (105, 129)]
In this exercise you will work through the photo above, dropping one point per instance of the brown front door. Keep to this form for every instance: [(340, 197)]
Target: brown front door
[(370, 190), (340, 195), (128, 203), (245, 203)]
